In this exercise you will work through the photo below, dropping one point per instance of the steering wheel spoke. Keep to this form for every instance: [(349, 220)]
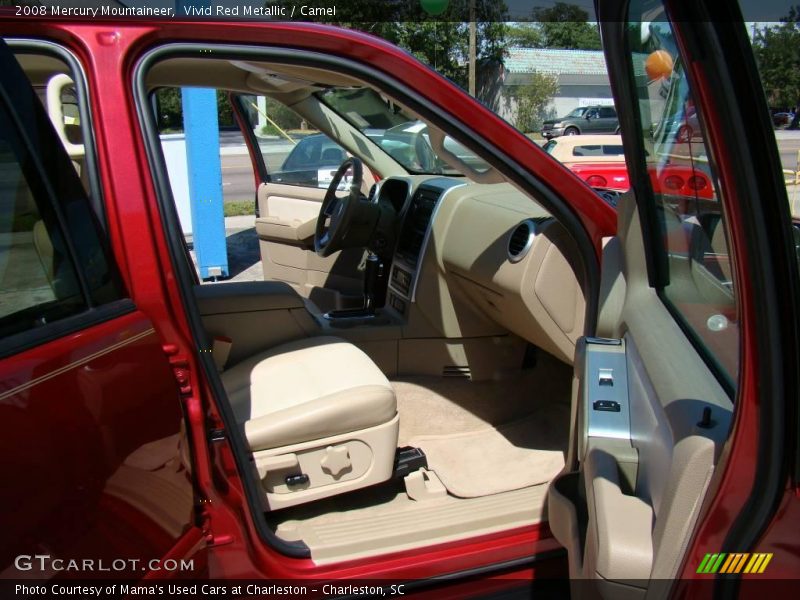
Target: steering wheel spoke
[(336, 213)]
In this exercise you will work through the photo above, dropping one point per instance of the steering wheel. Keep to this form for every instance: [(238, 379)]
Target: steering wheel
[(336, 213)]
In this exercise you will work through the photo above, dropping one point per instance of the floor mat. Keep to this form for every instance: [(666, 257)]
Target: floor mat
[(431, 406), (494, 460)]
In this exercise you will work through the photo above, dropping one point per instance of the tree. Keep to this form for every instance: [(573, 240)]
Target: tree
[(777, 52), (524, 35), (440, 41), (532, 99), (566, 26)]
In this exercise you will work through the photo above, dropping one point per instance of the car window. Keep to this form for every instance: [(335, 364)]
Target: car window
[(689, 246), (312, 162), (578, 112), (305, 154), (598, 150), (39, 281), (608, 113), (592, 114), (54, 259), (550, 146)]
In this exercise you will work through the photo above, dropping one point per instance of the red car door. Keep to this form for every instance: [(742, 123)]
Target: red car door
[(95, 483), (710, 310)]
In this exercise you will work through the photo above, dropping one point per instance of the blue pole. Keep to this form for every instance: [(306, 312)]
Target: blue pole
[(201, 126)]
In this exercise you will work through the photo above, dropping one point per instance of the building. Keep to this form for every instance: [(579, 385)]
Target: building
[(582, 78)]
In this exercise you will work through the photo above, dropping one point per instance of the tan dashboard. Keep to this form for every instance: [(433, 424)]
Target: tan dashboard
[(504, 255)]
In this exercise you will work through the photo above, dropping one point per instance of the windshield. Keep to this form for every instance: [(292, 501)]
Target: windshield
[(578, 112), (396, 132)]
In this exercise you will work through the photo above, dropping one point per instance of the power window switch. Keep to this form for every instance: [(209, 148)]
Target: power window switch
[(605, 377), (606, 405)]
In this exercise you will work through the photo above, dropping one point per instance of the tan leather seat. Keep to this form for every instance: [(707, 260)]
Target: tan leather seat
[(317, 406)]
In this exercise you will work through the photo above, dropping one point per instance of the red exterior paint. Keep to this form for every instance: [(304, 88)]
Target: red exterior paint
[(614, 175), (732, 487), (108, 52), (74, 411)]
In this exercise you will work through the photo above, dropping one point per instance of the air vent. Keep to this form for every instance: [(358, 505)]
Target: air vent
[(521, 240)]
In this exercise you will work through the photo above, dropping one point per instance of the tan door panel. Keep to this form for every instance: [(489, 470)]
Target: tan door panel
[(639, 484), (286, 239)]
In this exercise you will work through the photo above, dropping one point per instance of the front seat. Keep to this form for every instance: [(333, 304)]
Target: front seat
[(319, 416)]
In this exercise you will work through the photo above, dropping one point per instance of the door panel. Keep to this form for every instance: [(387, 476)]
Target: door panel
[(650, 432), (97, 469), (94, 466), (285, 227), (651, 478)]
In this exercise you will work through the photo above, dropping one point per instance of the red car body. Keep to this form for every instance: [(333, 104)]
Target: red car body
[(111, 378), (609, 175)]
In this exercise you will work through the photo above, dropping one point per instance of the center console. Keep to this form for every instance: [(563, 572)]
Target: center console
[(414, 234)]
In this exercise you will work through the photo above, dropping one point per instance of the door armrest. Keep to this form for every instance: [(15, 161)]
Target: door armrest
[(623, 524), (274, 229), (246, 296)]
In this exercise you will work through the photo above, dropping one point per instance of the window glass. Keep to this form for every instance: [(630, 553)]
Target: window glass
[(38, 281), (607, 112), (598, 150), (691, 249), (775, 47)]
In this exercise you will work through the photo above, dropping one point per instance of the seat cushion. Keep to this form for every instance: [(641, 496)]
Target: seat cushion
[(307, 390)]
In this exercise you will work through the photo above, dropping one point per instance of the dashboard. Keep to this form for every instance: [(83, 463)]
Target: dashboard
[(481, 259)]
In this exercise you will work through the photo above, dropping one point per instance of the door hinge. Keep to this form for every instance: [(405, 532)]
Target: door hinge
[(180, 368), (209, 536)]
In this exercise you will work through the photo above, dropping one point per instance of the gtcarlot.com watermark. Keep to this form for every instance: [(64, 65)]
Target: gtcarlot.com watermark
[(47, 564)]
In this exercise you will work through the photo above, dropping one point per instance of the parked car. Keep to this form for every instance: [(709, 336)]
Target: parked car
[(597, 159), (600, 161), (782, 119), (313, 161), (584, 119), (171, 428)]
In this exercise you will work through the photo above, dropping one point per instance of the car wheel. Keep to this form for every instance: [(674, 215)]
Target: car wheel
[(571, 131)]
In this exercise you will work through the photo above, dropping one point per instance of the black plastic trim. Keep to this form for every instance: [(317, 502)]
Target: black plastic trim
[(509, 167), (31, 338)]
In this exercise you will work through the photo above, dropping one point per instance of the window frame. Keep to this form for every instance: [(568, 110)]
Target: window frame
[(14, 87), (653, 231)]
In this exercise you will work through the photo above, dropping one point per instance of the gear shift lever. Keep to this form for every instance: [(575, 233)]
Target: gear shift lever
[(372, 276)]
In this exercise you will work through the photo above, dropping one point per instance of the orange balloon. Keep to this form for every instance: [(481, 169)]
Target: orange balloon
[(658, 65)]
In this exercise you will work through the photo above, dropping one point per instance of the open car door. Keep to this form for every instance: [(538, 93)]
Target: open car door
[(667, 399), (95, 470), (290, 187)]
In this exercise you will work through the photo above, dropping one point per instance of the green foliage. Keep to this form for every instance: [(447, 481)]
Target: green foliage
[(532, 100), (777, 52), (525, 35), (170, 115), (443, 44), (236, 208), (566, 26)]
